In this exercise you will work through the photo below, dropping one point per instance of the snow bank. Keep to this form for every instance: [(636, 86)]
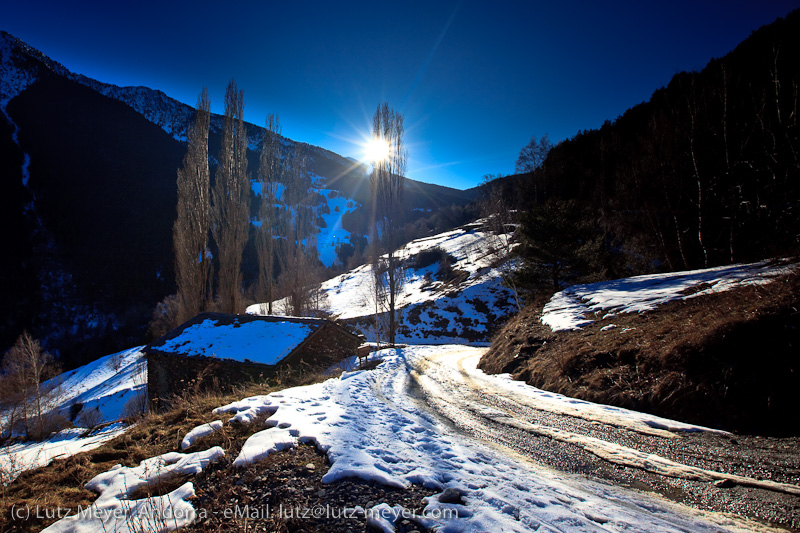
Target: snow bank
[(568, 309), (115, 511)]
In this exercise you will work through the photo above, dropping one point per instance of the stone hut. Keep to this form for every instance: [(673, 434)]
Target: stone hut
[(221, 350)]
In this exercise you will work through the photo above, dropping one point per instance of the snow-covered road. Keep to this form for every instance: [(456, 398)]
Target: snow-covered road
[(706, 468), (523, 459), (520, 458)]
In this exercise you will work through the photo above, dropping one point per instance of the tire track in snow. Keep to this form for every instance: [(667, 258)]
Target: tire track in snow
[(605, 450)]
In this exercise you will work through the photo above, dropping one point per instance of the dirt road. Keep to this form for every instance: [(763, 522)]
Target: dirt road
[(748, 476)]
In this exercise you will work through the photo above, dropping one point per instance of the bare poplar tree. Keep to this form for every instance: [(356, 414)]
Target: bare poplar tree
[(298, 278), (190, 232), (231, 210), (269, 172), (388, 182)]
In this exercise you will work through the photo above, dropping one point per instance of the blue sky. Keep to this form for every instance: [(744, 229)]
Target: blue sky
[(474, 80)]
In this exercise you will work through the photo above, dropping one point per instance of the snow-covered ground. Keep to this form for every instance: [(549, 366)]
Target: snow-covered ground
[(372, 429), (569, 308), (94, 394), (331, 211), (21, 456), (431, 310)]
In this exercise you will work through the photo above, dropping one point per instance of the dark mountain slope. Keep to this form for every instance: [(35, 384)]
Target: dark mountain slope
[(18, 282), (104, 188), (99, 229), (90, 253)]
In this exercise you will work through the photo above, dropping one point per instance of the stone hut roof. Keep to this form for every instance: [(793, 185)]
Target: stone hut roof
[(245, 338)]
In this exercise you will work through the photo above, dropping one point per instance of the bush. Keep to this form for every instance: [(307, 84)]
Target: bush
[(430, 257), (90, 418)]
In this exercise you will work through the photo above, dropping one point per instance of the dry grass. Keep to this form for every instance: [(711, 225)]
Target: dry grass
[(726, 360), (60, 484)]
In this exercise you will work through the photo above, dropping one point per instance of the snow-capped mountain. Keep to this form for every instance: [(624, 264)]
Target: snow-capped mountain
[(88, 176)]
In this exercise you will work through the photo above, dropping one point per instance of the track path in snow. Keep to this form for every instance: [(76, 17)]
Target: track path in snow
[(710, 470)]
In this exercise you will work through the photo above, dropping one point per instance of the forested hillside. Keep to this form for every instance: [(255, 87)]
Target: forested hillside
[(705, 173)]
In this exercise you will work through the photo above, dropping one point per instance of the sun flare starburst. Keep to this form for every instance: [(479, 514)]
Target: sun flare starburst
[(376, 149)]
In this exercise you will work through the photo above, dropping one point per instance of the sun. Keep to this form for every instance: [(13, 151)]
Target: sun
[(376, 149)]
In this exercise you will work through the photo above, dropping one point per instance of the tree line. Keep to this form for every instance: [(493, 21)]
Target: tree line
[(705, 173), (213, 226)]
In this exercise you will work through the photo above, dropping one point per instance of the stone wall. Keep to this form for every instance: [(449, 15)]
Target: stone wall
[(170, 375)]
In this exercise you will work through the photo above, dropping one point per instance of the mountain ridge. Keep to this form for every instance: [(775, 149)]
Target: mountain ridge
[(174, 116), (75, 202)]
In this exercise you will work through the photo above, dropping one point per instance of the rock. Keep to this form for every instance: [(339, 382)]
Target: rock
[(453, 496), (724, 483), (310, 466)]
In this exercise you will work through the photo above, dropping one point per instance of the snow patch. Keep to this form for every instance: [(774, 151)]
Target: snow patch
[(568, 309), (199, 432), (115, 511)]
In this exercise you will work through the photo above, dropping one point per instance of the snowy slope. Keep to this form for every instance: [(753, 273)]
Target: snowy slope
[(569, 308), (97, 392), (431, 310), (106, 384), (330, 233)]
